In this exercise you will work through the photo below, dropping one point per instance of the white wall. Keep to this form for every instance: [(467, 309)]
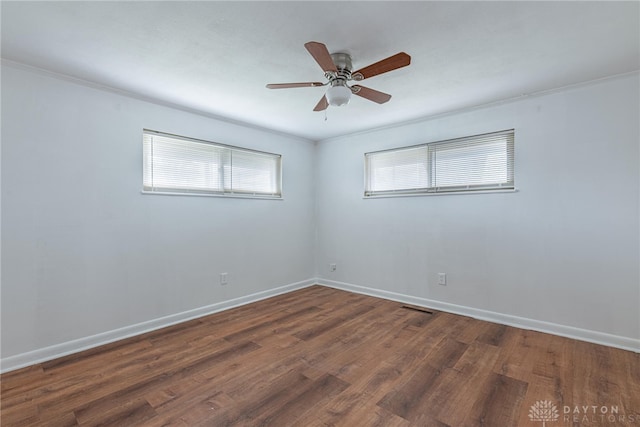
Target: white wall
[(87, 258), (84, 252), (561, 253)]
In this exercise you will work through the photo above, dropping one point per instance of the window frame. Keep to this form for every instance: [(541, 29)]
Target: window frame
[(430, 189), (231, 193)]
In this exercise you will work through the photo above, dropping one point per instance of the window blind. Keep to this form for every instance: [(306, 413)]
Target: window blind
[(183, 165), (480, 162)]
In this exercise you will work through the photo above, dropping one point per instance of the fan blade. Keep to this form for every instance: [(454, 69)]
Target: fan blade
[(321, 55), (370, 94), (394, 62), (322, 105), (289, 85)]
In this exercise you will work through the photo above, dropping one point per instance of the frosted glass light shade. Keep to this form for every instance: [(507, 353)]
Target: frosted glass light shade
[(338, 95)]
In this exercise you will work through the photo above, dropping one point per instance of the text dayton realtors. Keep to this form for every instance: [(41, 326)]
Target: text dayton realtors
[(599, 414)]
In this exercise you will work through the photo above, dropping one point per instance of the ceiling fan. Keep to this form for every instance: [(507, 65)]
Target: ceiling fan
[(337, 69)]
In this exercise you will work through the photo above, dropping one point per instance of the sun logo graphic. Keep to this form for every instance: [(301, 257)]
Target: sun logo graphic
[(545, 411)]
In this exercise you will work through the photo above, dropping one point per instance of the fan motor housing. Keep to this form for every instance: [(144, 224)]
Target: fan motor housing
[(344, 66)]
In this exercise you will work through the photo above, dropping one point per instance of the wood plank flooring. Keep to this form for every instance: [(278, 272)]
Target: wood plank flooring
[(325, 357)]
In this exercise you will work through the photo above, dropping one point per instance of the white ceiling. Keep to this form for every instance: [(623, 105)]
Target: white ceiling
[(216, 57)]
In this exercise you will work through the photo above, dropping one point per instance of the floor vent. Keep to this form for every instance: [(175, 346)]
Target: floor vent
[(417, 308)]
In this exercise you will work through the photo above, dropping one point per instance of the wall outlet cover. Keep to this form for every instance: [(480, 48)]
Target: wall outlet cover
[(442, 279)]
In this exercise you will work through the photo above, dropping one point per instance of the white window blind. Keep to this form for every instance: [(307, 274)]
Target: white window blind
[(174, 164), (481, 162)]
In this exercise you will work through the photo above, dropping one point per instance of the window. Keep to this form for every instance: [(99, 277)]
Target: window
[(175, 164), (481, 162)]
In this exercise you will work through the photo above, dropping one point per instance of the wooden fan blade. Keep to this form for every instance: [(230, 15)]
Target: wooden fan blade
[(289, 85), (321, 55), (370, 94), (322, 105), (394, 62)]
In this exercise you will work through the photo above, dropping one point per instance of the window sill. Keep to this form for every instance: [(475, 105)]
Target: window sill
[(442, 193), (224, 196)]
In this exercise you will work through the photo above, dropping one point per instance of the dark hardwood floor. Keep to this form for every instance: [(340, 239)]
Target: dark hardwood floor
[(324, 357)]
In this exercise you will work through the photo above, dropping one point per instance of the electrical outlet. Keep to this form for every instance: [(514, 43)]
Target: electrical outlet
[(224, 278), (442, 279), (333, 267)]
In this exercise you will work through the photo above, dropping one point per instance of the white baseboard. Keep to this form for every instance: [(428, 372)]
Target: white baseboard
[(58, 350), (22, 360), (625, 343)]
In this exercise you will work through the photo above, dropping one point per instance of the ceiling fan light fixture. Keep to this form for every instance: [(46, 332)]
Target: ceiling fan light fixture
[(338, 95), (337, 69)]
